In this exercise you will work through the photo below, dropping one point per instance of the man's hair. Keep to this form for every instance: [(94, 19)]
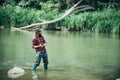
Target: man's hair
[(37, 30)]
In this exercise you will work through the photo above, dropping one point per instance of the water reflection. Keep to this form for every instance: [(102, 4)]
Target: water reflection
[(83, 34), (44, 76)]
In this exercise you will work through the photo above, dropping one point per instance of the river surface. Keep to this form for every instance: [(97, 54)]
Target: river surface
[(72, 55)]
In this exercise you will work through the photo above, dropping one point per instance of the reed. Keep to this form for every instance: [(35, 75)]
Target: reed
[(106, 21)]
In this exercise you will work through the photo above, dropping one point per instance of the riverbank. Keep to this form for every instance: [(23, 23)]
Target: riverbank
[(105, 21)]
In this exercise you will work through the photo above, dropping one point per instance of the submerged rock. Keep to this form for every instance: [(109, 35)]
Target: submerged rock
[(118, 79), (16, 72)]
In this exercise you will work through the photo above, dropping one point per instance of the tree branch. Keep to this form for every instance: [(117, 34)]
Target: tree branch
[(81, 8), (55, 20)]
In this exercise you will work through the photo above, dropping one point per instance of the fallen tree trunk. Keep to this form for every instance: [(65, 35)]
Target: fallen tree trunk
[(60, 18)]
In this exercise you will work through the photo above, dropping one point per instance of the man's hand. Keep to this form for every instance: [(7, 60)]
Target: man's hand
[(39, 45), (44, 44), (36, 46)]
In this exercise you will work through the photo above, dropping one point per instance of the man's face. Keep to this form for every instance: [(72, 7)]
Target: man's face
[(39, 34)]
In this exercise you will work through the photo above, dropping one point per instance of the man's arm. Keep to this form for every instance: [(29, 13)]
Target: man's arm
[(34, 46), (37, 46), (44, 42)]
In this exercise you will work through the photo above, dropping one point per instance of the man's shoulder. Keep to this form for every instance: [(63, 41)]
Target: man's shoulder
[(34, 38)]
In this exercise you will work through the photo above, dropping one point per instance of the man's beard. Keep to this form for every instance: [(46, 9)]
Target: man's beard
[(39, 35)]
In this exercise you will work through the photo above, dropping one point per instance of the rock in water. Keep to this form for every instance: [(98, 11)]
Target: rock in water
[(16, 72), (118, 79)]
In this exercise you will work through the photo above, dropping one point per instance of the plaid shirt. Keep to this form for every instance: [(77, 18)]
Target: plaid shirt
[(37, 41)]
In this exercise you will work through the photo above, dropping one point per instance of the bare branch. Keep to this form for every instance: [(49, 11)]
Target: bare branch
[(74, 8), (55, 20), (85, 8)]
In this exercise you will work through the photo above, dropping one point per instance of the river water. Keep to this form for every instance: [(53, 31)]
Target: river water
[(72, 55)]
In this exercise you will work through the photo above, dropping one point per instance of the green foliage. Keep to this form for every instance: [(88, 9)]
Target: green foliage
[(23, 16), (30, 4), (106, 20), (17, 16), (4, 17)]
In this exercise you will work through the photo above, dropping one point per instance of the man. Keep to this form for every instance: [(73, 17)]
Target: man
[(39, 43)]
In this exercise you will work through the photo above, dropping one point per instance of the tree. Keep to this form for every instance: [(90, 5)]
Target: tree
[(84, 7)]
